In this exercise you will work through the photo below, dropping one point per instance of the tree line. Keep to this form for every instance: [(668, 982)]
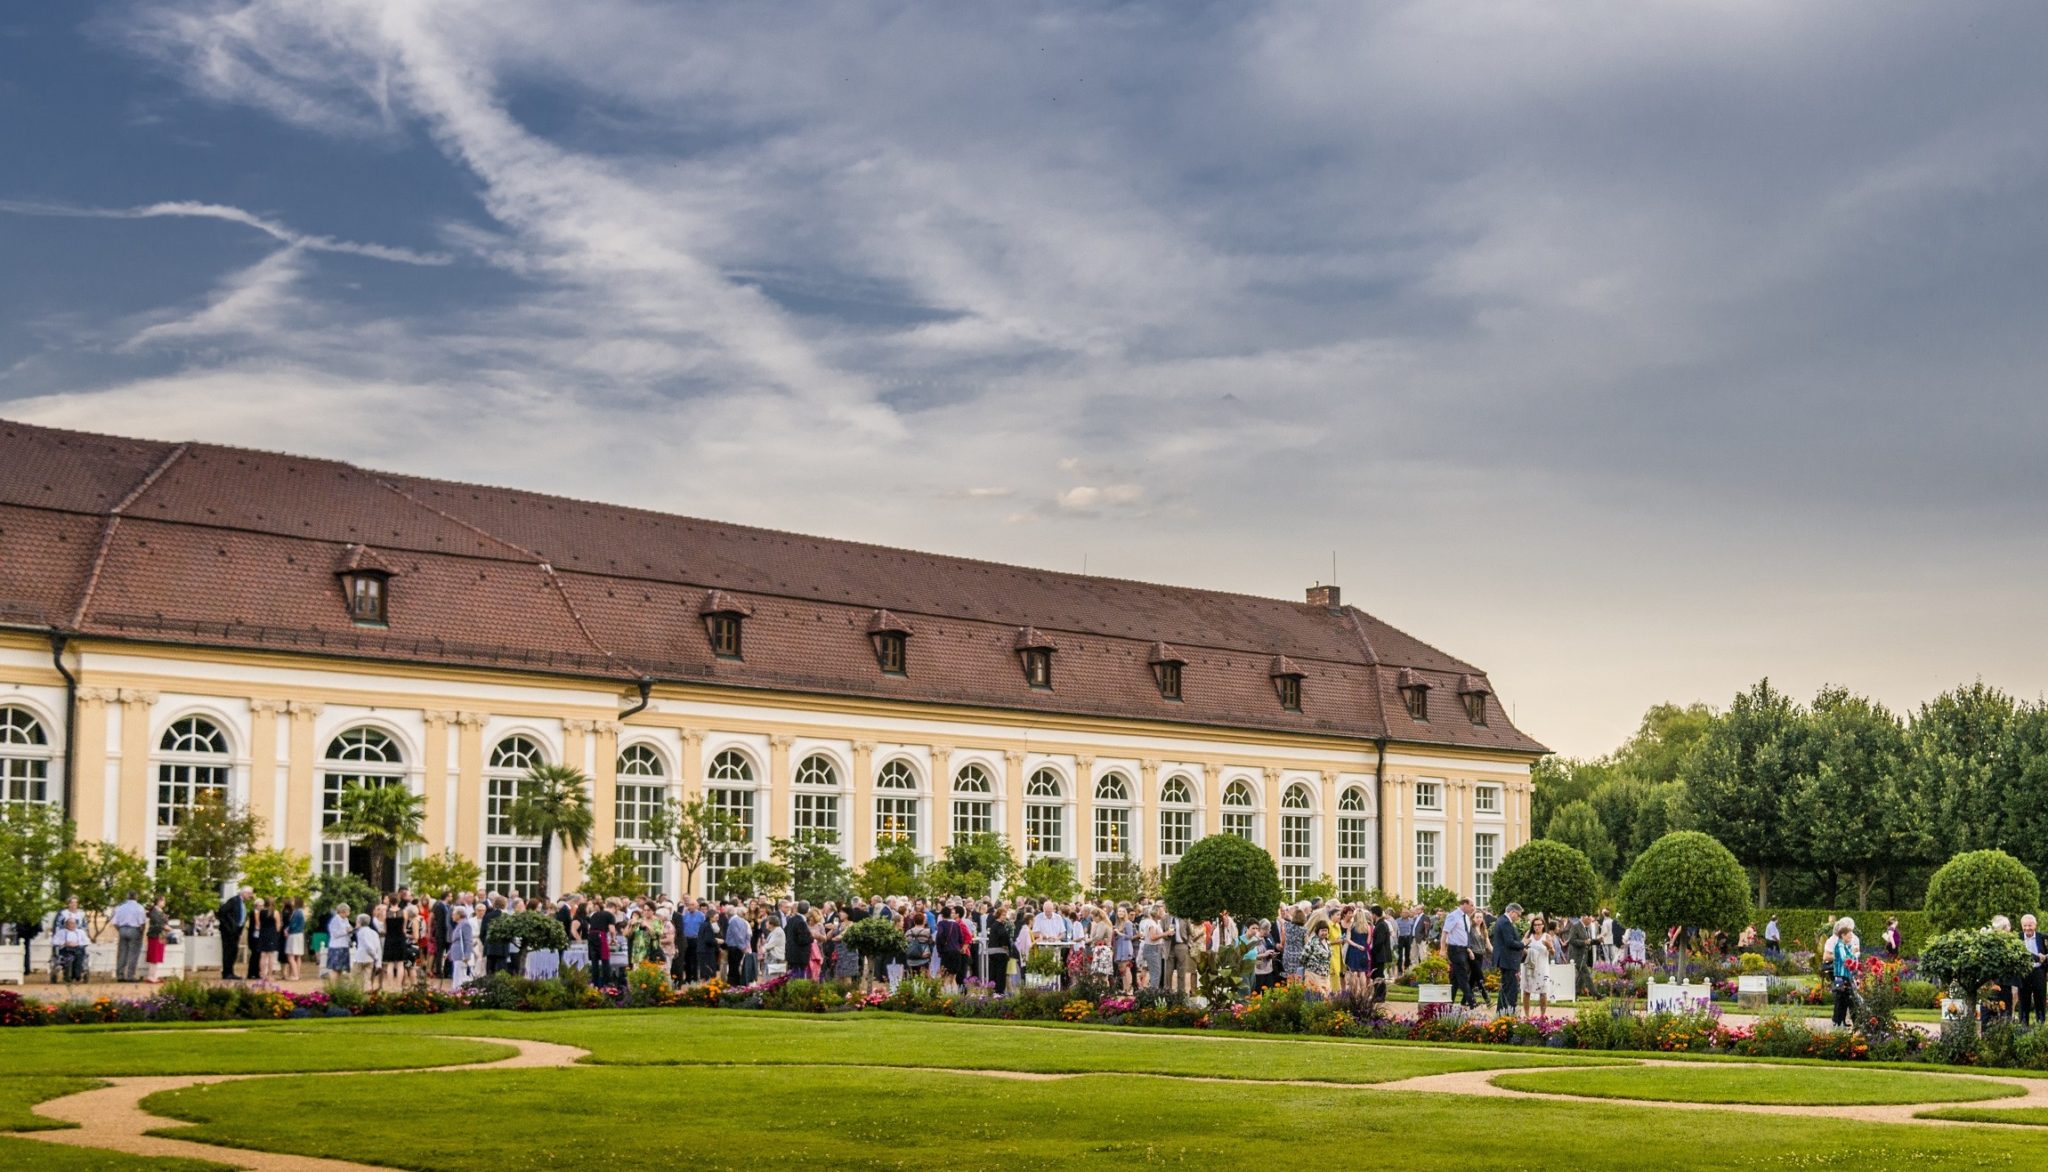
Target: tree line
[(1825, 802)]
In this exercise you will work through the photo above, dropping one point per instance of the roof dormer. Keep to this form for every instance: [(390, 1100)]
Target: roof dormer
[(365, 585)]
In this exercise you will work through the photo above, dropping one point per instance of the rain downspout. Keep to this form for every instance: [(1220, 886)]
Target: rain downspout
[(58, 640), (646, 686)]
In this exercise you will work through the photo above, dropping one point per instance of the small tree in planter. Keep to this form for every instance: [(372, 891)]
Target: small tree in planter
[(614, 873), (527, 932), (101, 875), (876, 939), (275, 873), (1685, 879), (1974, 886), (1223, 873), (445, 874), (32, 837), (1972, 958)]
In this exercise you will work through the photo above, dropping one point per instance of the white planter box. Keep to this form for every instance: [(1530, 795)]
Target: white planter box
[(1035, 981), (174, 961), (1432, 994), (201, 952), (1564, 982), (13, 964), (1674, 998)]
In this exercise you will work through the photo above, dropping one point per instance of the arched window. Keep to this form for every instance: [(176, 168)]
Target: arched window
[(24, 757), (1296, 839), (896, 804), (192, 761), (973, 810), (359, 756), (642, 788), (817, 812), (511, 863), (1044, 821), (1237, 811), (729, 789), (1353, 839), (1176, 821), (1112, 819)]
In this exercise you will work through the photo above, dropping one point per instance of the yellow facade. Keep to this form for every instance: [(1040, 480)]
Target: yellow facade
[(280, 714)]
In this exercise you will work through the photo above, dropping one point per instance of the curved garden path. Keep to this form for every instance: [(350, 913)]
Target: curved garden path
[(111, 1117)]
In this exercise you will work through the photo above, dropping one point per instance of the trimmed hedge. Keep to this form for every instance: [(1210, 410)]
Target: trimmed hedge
[(1799, 927)]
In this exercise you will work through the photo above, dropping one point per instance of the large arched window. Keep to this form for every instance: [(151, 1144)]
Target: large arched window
[(642, 788), (1044, 819), (817, 799), (729, 789), (192, 761), (1237, 811), (1112, 821), (359, 756), (1296, 838), (1176, 821), (24, 757), (511, 863), (896, 804), (974, 808), (1353, 843)]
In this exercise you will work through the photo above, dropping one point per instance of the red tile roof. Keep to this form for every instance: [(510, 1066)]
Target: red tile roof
[(223, 547)]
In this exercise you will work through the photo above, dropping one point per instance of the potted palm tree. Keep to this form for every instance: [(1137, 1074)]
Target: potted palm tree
[(383, 820), (553, 802)]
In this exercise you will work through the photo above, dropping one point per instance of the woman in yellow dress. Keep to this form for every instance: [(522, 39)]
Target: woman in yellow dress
[(1337, 920)]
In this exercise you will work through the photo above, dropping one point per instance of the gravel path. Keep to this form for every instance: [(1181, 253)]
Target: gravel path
[(111, 1117)]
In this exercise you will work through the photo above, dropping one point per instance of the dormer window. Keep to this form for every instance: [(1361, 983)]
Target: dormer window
[(723, 615), (1034, 654), (1287, 677), (1473, 692), (366, 597), (365, 586), (1414, 694), (891, 640), (1166, 668)]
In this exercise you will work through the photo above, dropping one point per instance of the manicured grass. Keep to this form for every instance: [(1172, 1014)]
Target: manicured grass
[(678, 1037), (54, 1050), (726, 1117), (1788, 1085), (2030, 1116), (18, 1094), (28, 1153)]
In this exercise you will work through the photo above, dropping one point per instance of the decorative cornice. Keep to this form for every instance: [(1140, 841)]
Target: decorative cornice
[(138, 696), (1149, 764), (269, 707), (1330, 777), (1082, 761), (942, 750), (98, 695), (472, 719), (1015, 758), (442, 716), (578, 725), (693, 736), (781, 741), (611, 727), (306, 708), (1272, 773), (863, 746)]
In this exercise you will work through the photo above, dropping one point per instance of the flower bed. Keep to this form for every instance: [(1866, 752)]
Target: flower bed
[(1286, 1009)]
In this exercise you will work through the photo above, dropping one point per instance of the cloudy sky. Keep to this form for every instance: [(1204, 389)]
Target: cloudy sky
[(1630, 350)]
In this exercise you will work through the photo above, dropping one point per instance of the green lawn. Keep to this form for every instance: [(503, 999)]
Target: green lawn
[(2031, 1116), (29, 1153), (54, 1050), (680, 1037), (1787, 1085), (19, 1093), (720, 1117)]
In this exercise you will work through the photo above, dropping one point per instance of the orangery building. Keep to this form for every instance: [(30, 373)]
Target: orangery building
[(177, 618)]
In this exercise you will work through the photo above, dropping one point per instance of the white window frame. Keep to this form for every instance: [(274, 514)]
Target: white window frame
[(26, 755), (507, 863), (354, 764), (1428, 858), (974, 803), (1485, 859), (188, 772)]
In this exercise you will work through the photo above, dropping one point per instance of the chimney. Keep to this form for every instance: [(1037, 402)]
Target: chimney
[(1325, 596)]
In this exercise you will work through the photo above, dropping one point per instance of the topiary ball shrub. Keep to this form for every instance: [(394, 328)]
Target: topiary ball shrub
[(1223, 873), (1685, 880), (1972, 887), (1547, 876), (1970, 958)]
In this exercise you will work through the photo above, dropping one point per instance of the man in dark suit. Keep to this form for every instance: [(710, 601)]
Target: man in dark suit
[(440, 927), (796, 938), (2034, 986), (495, 954), (1578, 949), (231, 918), (1507, 957), (1382, 952)]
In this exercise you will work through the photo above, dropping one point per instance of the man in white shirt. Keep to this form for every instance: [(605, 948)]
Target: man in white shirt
[(128, 920), (1048, 926), (1458, 950), (70, 941)]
